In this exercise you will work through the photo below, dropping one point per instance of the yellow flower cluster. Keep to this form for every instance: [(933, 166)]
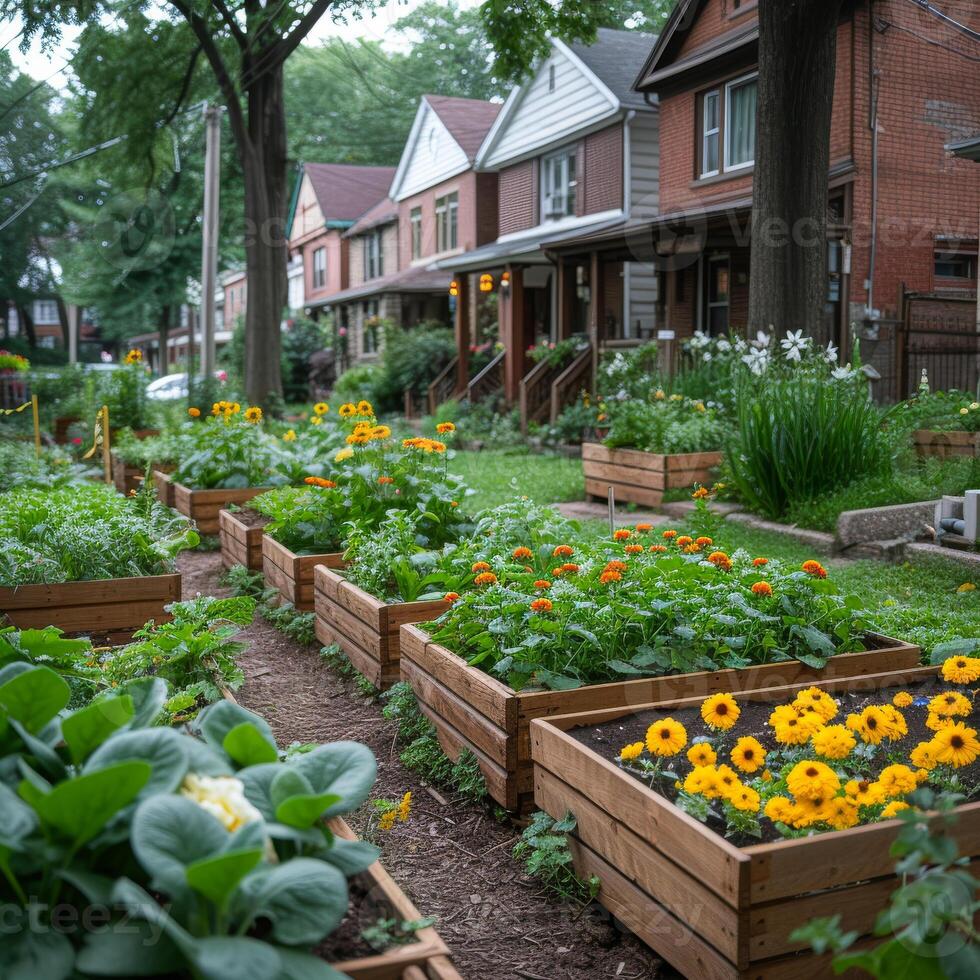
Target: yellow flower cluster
[(135, 356), (399, 811), (227, 409), (363, 409), (365, 432)]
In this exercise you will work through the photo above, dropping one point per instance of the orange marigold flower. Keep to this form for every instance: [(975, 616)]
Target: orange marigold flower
[(385, 480), (633, 549), (569, 567), (444, 427), (762, 588), (616, 566), (563, 551), (658, 547), (542, 583), (814, 568), (720, 560), (623, 534), (479, 566), (523, 552), (194, 413), (541, 605), (643, 528), (692, 549), (451, 596), (759, 562), (684, 540), (610, 575), (701, 493), (703, 541), (668, 535), (557, 572), (485, 578)]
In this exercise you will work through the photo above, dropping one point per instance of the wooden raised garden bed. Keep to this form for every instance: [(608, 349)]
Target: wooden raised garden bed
[(946, 444), (472, 710), (164, 483), (666, 875), (202, 506), (116, 606), (292, 574), (241, 537), (427, 957), (641, 478), (366, 629)]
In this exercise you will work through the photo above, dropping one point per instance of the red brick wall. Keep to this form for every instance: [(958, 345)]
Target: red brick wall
[(337, 278), (602, 178), (487, 207), (518, 208), (716, 18)]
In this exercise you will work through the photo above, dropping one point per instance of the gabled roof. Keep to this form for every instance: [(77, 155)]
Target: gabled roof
[(345, 191), (614, 58), (468, 120), (383, 213)]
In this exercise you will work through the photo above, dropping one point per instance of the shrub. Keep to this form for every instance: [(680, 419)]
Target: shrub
[(801, 437), (299, 343), (20, 466), (943, 411), (668, 424), (411, 361), (356, 383)]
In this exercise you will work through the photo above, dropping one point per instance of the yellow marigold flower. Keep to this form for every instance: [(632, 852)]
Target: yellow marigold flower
[(817, 699), (194, 413), (347, 410), (405, 807), (841, 812), (134, 356), (745, 798), (956, 745), (949, 704), (701, 754), (897, 727), (961, 670), (444, 427), (727, 780), (812, 780), (779, 809), (344, 453), (864, 792), (380, 432), (541, 605), (871, 725), (893, 809), (316, 420), (217, 408), (762, 588), (387, 820), (936, 722), (253, 414), (622, 534), (289, 435), (364, 408), (666, 737), (321, 408), (903, 699), (720, 711), (897, 780), (485, 578), (833, 742), (720, 560), (702, 780), (692, 549), (748, 755), (700, 493), (808, 812), (631, 752), (522, 552), (923, 756)]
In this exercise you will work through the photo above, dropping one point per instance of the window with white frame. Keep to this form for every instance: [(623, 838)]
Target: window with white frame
[(373, 255), (45, 311), (558, 185), (319, 268), (728, 126), (416, 220), (447, 222)]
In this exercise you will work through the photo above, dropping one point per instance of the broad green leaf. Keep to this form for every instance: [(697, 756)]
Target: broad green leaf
[(347, 769), (34, 696), (164, 749), (149, 695), (86, 729), (558, 682), (304, 811), (621, 667), (296, 965), (234, 958), (351, 856), (217, 720), (79, 808), (305, 899), (30, 955), (288, 781), (248, 746), (258, 781), (139, 950), (17, 819), (217, 877)]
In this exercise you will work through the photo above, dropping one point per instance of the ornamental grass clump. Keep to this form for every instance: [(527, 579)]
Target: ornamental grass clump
[(647, 603), (816, 762), (82, 533)]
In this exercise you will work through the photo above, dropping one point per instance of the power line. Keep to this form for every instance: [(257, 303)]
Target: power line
[(926, 6), (40, 187)]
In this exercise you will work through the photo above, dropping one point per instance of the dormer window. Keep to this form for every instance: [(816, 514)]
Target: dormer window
[(558, 185)]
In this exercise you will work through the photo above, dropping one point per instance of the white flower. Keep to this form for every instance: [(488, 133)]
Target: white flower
[(757, 361), (794, 343), (740, 345), (842, 373), (831, 353), (761, 339), (722, 345), (699, 340), (707, 355), (221, 796)]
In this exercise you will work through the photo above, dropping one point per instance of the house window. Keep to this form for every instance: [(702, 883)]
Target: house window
[(372, 325), (45, 311), (447, 218), (558, 185), (717, 295), (319, 268), (373, 256), (416, 219), (728, 117), (955, 265)]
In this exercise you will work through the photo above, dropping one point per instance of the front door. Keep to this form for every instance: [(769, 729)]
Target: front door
[(716, 295)]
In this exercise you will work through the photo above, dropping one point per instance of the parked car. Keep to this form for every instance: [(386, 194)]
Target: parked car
[(172, 387)]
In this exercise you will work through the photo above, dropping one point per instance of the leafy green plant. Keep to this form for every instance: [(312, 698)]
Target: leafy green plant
[(386, 933), (87, 532), (928, 926), (558, 354), (942, 411), (208, 852), (298, 626), (122, 391), (667, 424), (20, 466), (543, 850), (410, 361)]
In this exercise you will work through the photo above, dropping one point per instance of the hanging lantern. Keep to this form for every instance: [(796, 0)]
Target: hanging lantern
[(505, 281), (454, 288), (486, 283)]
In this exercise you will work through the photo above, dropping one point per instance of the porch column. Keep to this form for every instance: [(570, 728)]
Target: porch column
[(463, 333), (562, 291), (597, 311), (514, 322)]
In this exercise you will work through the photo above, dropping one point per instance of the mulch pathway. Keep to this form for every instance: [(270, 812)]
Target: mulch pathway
[(452, 857)]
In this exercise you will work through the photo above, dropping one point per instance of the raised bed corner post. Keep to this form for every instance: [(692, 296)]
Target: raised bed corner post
[(463, 331)]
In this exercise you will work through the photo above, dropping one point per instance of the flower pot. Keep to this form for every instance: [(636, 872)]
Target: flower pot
[(240, 533), (641, 478), (202, 506), (292, 574), (946, 444), (365, 628), (472, 710), (116, 606), (665, 874)]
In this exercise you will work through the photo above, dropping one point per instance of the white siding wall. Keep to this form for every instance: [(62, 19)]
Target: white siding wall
[(641, 280), (308, 216), (542, 117), (433, 157), (645, 165)]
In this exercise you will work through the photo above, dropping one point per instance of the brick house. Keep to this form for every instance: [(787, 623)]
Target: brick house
[(327, 199), (436, 206), (576, 151), (902, 209)]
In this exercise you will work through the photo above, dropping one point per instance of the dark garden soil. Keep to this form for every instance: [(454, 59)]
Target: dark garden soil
[(609, 738), (249, 517), (452, 858)]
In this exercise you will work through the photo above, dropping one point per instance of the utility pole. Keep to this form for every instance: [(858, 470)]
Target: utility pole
[(209, 249), (74, 315)]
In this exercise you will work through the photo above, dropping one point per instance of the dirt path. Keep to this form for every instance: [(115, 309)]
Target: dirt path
[(452, 859)]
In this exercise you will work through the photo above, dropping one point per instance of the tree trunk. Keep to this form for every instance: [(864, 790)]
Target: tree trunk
[(797, 61), (27, 323), (63, 320), (264, 166)]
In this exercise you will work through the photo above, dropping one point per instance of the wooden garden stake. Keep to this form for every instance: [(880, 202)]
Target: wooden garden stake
[(106, 458), (37, 427)]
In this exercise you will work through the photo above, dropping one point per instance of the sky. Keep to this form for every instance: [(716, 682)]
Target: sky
[(52, 65)]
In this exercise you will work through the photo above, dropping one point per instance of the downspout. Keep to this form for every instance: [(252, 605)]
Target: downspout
[(627, 211), (873, 125)]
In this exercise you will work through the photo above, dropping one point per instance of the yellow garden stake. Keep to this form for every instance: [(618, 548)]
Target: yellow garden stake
[(106, 459), (37, 427)]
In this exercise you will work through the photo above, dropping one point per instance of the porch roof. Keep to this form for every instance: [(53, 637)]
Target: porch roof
[(968, 149), (417, 279)]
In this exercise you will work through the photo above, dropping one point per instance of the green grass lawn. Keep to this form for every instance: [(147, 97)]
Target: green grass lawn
[(498, 477)]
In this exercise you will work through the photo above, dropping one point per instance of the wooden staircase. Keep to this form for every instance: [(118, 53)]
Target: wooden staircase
[(443, 387), (489, 382)]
